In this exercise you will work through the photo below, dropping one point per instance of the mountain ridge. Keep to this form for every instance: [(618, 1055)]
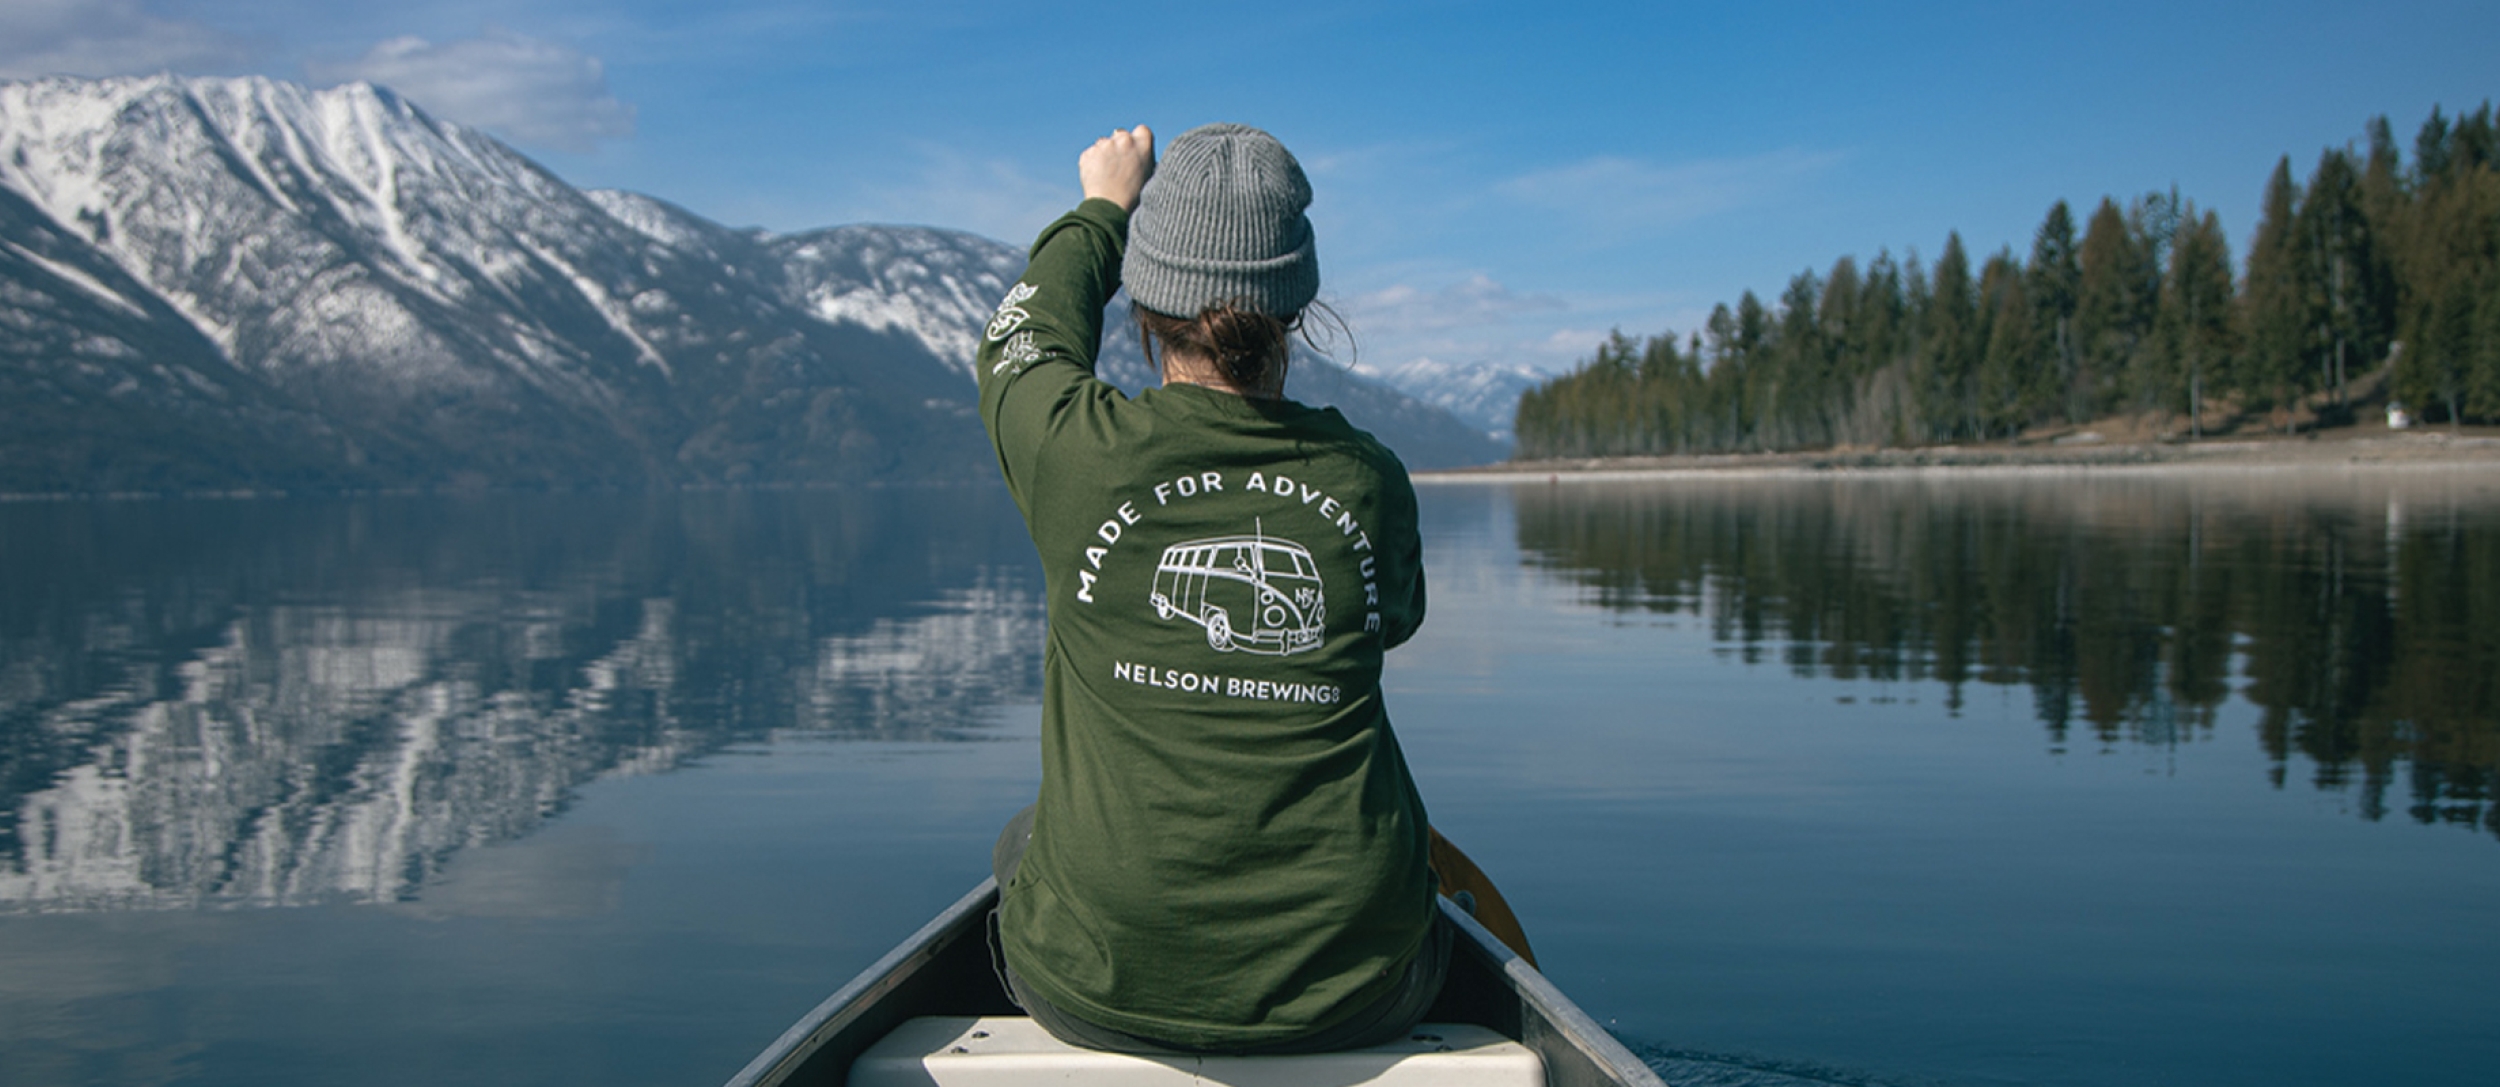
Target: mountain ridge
[(249, 285), (1485, 395)]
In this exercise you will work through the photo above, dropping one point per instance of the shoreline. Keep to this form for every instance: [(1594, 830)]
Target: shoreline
[(2477, 447)]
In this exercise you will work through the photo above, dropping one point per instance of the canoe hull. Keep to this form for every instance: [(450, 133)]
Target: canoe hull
[(944, 969)]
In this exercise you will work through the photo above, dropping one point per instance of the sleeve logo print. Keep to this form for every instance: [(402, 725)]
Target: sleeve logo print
[(1019, 353), (1255, 594), (1011, 312)]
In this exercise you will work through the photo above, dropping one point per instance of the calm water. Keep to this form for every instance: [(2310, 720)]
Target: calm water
[(2123, 781)]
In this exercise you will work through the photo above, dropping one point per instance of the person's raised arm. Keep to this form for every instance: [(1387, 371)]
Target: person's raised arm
[(1051, 320)]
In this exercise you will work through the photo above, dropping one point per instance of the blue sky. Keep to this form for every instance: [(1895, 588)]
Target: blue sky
[(1496, 181)]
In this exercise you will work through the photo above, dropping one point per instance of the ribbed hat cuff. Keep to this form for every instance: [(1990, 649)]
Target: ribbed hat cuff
[(1179, 287)]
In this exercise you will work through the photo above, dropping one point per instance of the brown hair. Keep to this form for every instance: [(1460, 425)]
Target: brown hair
[(1246, 346)]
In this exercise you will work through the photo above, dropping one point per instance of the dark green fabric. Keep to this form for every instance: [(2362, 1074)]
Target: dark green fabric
[(1228, 848)]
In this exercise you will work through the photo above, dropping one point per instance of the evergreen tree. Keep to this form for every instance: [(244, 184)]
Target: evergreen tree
[(2474, 143), (1951, 355), (2008, 355), (2431, 150), (1802, 367), (1754, 380), (2450, 266), (1918, 305), (2195, 318), (1837, 310), (1881, 323), (2440, 367), (2110, 310), (2482, 387), (2345, 274), (1753, 324), (2054, 285), (2385, 203), (1670, 381), (1722, 399), (2276, 315)]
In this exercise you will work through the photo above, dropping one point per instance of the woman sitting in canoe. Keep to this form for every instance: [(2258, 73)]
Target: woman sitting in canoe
[(1228, 854)]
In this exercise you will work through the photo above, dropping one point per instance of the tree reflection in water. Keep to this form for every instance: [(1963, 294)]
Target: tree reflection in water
[(2359, 611)]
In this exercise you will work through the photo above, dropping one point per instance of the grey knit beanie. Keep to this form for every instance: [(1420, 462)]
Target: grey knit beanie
[(1222, 220)]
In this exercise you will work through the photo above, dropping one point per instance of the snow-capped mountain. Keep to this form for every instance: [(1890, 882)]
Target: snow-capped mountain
[(1485, 395), (940, 286), (331, 288), (210, 284)]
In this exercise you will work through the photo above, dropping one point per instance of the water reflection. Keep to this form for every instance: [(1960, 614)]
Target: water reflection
[(262, 704), (2356, 610)]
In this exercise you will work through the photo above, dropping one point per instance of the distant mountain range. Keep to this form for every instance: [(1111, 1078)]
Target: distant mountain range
[(245, 284), (1484, 395)]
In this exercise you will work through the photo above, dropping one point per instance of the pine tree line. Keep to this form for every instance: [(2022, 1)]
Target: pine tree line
[(2374, 260)]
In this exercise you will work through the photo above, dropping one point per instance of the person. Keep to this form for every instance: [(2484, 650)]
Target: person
[(1228, 854)]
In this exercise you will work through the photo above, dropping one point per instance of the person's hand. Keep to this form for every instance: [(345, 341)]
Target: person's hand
[(1117, 166)]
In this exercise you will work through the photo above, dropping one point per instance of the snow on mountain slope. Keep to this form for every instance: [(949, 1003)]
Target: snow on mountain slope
[(936, 285), (214, 283), (1484, 394), (661, 221), (453, 311), (333, 233), (224, 195)]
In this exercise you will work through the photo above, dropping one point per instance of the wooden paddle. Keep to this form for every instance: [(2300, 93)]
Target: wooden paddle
[(1492, 911)]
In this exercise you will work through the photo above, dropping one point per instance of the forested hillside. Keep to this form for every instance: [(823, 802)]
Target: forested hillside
[(2375, 259)]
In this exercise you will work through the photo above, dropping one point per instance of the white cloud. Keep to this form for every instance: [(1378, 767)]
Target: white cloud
[(1475, 302), (1475, 319), (528, 91), (994, 198), (104, 37), (1611, 193)]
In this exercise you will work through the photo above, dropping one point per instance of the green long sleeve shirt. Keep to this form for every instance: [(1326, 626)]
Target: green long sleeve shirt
[(1228, 848)]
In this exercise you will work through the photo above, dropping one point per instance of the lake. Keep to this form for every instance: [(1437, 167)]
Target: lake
[(2093, 779)]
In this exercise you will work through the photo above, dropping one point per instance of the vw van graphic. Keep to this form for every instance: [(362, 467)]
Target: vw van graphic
[(1257, 594)]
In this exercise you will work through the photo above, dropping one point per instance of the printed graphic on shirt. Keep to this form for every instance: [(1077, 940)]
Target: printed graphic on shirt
[(1011, 312), (1272, 570), (1255, 593), (1243, 687), (1019, 353)]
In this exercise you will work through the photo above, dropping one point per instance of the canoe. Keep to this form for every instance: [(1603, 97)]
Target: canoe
[(944, 970)]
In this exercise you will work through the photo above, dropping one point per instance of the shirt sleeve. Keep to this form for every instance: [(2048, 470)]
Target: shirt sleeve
[(1036, 360), (1405, 616)]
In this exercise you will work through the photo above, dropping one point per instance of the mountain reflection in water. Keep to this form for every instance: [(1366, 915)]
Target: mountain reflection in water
[(284, 703), (2356, 610), (435, 726)]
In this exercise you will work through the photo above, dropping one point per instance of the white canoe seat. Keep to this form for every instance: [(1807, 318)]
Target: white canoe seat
[(997, 1051)]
